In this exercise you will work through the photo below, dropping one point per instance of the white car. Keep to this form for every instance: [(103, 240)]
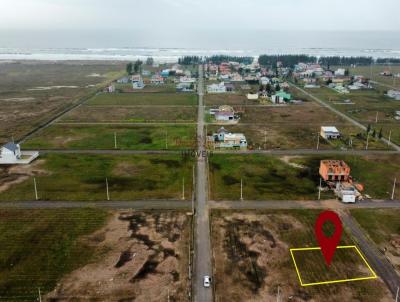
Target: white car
[(206, 281)]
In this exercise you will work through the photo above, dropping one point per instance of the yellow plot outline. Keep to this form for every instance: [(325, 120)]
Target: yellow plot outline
[(374, 276)]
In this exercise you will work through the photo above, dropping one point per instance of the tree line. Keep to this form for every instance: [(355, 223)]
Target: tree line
[(216, 59)]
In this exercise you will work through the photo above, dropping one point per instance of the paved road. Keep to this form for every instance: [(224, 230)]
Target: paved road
[(377, 260), (137, 204), (113, 152), (226, 204), (267, 152), (299, 204), (354, 122), (202, 251)]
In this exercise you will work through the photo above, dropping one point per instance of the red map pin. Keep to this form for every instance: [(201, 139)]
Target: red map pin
[(328, 244)]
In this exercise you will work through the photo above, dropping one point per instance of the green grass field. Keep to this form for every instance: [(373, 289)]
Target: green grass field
[(383, 227), (129, 137), (264, 178), (131, 99), (130, 114), (38, 247), (83, 177), (376, 172), (270, 178), (364, 107)]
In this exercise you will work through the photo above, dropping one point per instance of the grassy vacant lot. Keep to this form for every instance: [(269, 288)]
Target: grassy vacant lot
[(38, 247), (128, 99), (82, 177), (376, 172), (300, 136), (252, 259), (132, 137), (373, 73), (264, 177), (137, 114), (227, 99), (383, 227), (364, 106), (23, 108), (170, 86), (294, 178)]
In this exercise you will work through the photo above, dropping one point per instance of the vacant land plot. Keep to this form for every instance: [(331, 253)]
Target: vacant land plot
[(364, 107), (32, 92), (373, 73), (144, 258), (137, 114), (264, 177), (376, 172), (300, 136), (274, 178), (127, 99), (169, 86), (227, 99), (252, 261), (383, 227), (82, 177), (132, 137), (38, 247)]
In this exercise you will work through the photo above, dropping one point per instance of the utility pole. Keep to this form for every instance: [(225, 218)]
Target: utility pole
[(183, 188), (193, 190), (390, 135), (166, 140), (278, 296), (108, 193), (397, 293), (241, 189), (35, 186), (394, 188), (376, 118), (366, 147), (319, 188), (115, 140), (265, 139), (168, 295), (40, 295), (317, 141)]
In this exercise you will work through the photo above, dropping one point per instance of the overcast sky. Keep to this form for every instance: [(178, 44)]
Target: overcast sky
[(159, 15)]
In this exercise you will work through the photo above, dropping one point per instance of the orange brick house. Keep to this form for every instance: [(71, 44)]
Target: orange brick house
[(334, 170)]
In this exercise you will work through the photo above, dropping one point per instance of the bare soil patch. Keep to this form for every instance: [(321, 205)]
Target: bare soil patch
[(141, 256), (12, 175), (252, 260)]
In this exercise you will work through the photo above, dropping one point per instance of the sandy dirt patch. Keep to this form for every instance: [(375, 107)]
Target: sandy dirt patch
[(141, 256), (252, 261), (13, 175)]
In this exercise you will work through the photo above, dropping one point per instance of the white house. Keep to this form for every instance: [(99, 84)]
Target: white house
[(187, 80), (252, 96), (395, 94), (224, 139), (329, 132), (216, 88), (11, 153), (138, 85), (340, 72)]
